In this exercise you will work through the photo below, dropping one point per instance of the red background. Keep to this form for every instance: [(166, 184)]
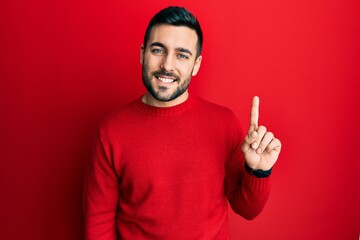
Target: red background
[(66, 64)]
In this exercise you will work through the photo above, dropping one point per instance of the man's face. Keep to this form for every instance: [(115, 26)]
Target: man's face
[(168, 63)]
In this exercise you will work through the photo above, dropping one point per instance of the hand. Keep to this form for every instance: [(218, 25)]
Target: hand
[(260, 148)]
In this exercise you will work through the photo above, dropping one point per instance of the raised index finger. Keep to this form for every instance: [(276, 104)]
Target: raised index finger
[(254, 114)]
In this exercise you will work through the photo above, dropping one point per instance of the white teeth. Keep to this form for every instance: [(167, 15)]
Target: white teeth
[(166, 80)]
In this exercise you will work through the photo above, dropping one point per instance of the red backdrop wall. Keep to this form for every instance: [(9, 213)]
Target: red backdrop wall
[(66, 64)]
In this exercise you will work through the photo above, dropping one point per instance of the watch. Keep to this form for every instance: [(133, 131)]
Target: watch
[(258, 173)]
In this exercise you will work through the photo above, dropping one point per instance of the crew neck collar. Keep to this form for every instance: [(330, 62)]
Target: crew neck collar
[(165, 111)]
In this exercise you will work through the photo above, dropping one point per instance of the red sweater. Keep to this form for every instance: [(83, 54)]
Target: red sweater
[(167, 173)]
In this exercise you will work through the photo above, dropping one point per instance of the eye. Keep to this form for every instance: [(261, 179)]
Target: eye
[(182, 56), (157, 51)]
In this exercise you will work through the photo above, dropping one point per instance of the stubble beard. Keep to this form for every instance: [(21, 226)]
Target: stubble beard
[(163, 94)]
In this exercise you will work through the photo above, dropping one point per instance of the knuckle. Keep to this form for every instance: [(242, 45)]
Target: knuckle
[(262, 128)]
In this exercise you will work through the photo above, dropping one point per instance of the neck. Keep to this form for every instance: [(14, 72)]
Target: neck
[(150, 100)]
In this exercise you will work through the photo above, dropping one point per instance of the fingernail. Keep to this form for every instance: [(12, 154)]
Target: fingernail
[(254, 145)]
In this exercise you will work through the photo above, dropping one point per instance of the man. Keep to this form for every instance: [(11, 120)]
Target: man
[(165, 165)]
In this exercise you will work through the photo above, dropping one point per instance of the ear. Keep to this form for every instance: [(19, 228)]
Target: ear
[(196, 66), (142, 49)]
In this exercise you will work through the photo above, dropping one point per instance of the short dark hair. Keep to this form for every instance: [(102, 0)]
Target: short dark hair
[(176, 16)]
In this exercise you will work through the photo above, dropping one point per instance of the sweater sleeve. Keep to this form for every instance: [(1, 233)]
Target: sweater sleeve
[(247, 194), (100, 193)]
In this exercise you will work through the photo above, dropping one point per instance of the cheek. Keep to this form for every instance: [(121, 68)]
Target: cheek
[(186, 69), (151, 62)]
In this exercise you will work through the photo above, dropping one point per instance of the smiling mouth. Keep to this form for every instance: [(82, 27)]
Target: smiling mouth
[(164, 79)]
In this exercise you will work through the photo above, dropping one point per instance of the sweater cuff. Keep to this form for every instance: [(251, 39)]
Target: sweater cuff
[(256, 183)]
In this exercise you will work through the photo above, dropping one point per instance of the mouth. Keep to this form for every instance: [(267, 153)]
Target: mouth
[(166, 79)]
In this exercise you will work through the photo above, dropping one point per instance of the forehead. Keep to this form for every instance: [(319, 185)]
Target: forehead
[(174, 36)]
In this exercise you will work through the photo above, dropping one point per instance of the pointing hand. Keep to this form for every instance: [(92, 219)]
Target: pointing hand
[(260, 148)]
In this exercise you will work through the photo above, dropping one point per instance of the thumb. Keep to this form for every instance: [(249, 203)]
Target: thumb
[(249, 139)]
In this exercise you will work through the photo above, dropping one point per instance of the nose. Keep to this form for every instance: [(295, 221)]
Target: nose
[(167, 63)]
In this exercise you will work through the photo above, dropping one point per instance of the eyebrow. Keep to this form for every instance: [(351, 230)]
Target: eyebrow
[(184, 50), (180, 49)]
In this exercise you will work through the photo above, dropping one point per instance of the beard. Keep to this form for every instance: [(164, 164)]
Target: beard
[(164, 93)]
